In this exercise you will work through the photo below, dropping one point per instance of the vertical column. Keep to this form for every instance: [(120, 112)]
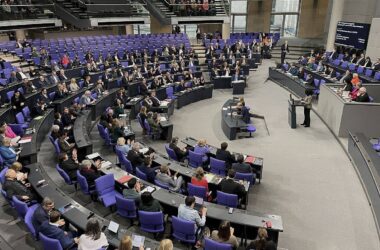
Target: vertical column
[(129, 29), (157, 27), (20, 34), (335, 16), (226, 30)]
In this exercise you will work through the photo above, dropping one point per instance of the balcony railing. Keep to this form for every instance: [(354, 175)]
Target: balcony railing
[(200, 8), (26, 11)]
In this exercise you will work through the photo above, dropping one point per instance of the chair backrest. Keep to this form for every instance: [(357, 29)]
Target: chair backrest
[(140, 121), (20, 118), (230, 200), (377, 76), (213, 245), (169, 91), (52, 95), (368, 72), (51, 139), (195, 160), (56, 147), (172, 155), (217, 166), (141, 174), (105, 184), (64, 175), (49, 243), (82, 183), (26, 112), (10, 94), (124, 162), (126, 207), (161, 184), (28, 221), (2, 174), (101, 131), (198, 191), (251, 177), (151, 221), (21, 207), (183, 230)]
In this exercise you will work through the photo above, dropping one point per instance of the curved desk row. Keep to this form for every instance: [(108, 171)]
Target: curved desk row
[(77, 215), (367, 164), (255, 162), (231, 123), (246, 223), (194, 95), (42, 126), (81, 130), (293, 84)]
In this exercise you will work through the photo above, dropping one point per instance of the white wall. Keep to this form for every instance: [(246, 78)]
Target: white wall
[(373, 46)]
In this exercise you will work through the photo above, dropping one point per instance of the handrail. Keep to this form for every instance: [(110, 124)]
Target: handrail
[(201, 4), (141, 3)]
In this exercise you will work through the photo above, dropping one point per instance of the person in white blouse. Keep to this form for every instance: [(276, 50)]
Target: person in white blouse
[(93, 238), (73, 86)]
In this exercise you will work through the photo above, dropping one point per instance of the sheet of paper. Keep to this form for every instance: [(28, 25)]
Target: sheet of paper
[(25, 140), (93, 155)]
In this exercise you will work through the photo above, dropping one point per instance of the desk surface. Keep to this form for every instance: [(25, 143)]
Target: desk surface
[(80, 129), (78, 214)]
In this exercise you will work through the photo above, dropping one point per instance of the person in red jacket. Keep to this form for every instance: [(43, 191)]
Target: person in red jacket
[(199, 179)]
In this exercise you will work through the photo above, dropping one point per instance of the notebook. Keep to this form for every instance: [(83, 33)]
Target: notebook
[(137, 240), (113, 227), (250, 159)]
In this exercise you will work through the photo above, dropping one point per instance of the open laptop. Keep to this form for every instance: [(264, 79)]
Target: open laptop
[(198, 203)]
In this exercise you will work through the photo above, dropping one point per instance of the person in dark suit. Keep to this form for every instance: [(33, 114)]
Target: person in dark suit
[(41, 214), (63, 143), (18, 101), (362, 95), (230, 186), (284, 51), (368, 62), (44, 96), (125, 79), (51, 229), (66, 117), (240, 166), (54, 79), (244, 112), (69, 165), (361, 60), (143, 87), (39, 108), (224, 155), (147, 169), (15, 188), (334, 55), (155, 101), (62, 76), (376, 65), (42, 81), (180, 153), (135, 157), (90, 173)]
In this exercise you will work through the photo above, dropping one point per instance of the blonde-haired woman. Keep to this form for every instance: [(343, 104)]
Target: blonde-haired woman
[(126, 243), (166, 244), (122, 146), (73, 86)]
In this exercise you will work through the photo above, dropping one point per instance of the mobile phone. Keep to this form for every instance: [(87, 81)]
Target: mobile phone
[(230, 210)]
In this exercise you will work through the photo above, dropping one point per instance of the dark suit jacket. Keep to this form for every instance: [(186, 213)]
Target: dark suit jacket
[(39, 216), (66, 120), (245, 114), (231, 187), (55, 232), (363, 98), (136, 158), (156, 101), (242, 167), (70, 167), (18, 189), (284, 48), (149, 171), (90, 175), (179, 153), (225, 155)]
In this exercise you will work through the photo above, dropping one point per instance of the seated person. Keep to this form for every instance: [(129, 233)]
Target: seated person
[(63, 143), (116, 130), (155, 101), (41, 214), (230, 186), (362, 95), (147, 169), (293, 70), (135, 157), (66, 118), (224, 155), (69, 165), (15, 188), (174, 182), (55, 132), (180, 153), (133, 190), (93, 237), (203, 149), (90, 173), (120, 145), (225, 234), (7, 152), (262, 242), (20, 176), (51, 229), (154, 123), (9, 133), (355, 91), (86, 99), (187, 212), (148, 204), (240, 166), (118, 107), (199, 179)]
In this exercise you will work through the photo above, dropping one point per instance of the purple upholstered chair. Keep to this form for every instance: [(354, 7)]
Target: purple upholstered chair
[(28, 221), (195, 160), (49, 243), (213, 245), (105, 188), (66, 177), (217, 166), (229, 200), (183, 230), (152, 222), (172, 155), (125, 164), (251, 177), (126, 208), (198, 191)]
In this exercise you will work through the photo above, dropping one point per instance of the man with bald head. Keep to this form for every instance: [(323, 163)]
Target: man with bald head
[(362, 95)]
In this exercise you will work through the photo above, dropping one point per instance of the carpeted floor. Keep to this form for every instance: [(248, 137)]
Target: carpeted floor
[(308, 178)]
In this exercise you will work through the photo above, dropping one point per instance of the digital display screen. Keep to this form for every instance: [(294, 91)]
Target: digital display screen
[(353, 35)]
